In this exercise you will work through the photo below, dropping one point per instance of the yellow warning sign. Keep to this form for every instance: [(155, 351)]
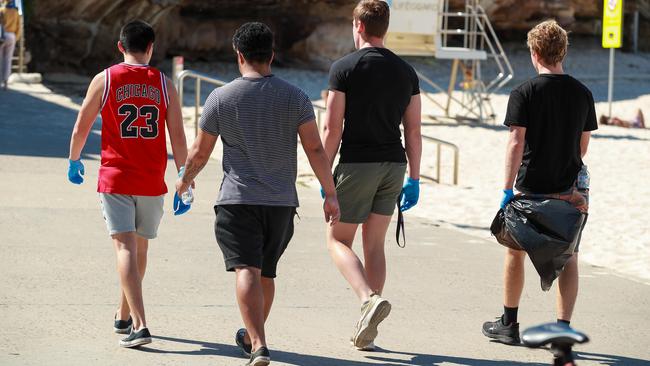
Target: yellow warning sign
[(612, 23)]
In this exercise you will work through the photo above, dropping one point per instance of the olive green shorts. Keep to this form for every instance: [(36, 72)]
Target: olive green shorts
[(363, 188)]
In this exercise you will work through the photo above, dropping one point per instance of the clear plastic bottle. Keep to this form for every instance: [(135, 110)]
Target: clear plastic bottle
[(187, 197), (583, 178)]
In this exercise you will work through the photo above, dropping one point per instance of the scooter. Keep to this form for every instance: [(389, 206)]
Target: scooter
[(560, 336)]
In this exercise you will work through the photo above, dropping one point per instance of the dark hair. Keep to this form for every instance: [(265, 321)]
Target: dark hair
[(254, 40), (375, 15), (136, 36)]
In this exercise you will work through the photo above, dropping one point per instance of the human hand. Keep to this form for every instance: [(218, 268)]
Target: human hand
[(331, 210), (75, 171), (508, 195), (410, 194), (179, 207)]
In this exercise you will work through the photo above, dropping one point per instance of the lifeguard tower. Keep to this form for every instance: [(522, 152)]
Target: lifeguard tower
[(464, 35)]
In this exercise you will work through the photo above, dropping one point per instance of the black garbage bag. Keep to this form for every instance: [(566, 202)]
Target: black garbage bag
[(547, 229)]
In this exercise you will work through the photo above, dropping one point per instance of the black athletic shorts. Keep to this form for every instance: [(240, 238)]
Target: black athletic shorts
[(253, 235)]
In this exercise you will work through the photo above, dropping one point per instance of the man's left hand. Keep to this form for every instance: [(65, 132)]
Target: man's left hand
[(410, 194)]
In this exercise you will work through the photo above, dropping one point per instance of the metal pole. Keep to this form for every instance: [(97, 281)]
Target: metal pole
[(635, 32), (197, 100), (452, 85), (610, 87), (456, 166), (439, 150)]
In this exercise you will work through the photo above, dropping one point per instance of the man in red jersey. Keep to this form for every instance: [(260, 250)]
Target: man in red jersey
[(135, 100)]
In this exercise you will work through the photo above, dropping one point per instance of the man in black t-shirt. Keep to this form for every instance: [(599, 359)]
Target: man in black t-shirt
[(374, 91), (550, 118)]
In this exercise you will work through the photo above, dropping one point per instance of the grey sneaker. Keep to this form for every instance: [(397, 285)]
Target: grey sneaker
[(261, 357), (239, 340), (373, 312), (136, 339), (122, 326), (370, 347)]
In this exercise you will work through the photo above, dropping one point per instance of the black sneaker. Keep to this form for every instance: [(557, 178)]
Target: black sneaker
[(122, 326), (239, 340), (136, 339), (261, 357), (507, 334)]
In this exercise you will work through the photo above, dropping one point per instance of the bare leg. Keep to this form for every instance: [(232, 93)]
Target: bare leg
[(126, 248), (339, 243), (250, 296), (568, 289), (374, 237), (123, 310), (513, 277), (268, 287)]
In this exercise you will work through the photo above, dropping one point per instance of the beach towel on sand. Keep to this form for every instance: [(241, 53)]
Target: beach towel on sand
[(546, 228)]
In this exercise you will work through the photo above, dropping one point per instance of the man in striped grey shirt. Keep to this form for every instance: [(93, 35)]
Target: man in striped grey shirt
[(258, 117)]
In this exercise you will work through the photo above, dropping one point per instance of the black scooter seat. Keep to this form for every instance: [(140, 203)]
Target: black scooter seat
[(556, 333)]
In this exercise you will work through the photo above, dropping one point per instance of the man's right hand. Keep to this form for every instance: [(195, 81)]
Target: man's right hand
[(508, 195), (75, 171), (331, 210)]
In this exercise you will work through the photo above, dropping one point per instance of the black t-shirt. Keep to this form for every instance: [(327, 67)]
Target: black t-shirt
[(555, 109), (378, 86)]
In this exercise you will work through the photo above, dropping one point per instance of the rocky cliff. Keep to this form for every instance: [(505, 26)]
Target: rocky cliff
[(81, 34)]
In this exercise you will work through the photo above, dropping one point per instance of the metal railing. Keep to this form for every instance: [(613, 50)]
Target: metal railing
[(199, 77), (439, 144), (320, 110)]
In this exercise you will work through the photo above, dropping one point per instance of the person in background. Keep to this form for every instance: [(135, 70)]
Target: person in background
[(374, 91), (637, 122), (11, 23), (551, 117), (136, 102)]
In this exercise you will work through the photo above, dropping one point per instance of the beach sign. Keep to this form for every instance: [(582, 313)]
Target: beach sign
[(612, 23), (413, 25)]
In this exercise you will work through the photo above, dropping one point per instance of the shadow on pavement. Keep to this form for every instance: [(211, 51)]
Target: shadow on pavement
[(381, 355), (611, 359), (33, 127), (419, 359), (225, 350)]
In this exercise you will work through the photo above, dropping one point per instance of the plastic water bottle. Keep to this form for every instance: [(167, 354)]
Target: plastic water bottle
[(583, 178), (187, 197)]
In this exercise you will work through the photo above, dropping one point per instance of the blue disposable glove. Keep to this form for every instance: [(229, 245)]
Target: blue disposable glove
[(410, 194), (76, 171), (508, 195), (179, 207)]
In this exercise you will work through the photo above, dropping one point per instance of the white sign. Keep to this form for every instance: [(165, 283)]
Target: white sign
[(413, 16)]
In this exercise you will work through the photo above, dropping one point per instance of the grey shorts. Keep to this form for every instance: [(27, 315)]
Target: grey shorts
[(125, 213), (364, 188)]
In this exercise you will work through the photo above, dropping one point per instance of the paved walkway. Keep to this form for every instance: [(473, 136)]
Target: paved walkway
[(59, 285)]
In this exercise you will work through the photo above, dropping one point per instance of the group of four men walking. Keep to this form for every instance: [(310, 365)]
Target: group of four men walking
[(259, 118)]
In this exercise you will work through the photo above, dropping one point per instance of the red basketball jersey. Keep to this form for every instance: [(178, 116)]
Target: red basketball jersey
[(134, 148)]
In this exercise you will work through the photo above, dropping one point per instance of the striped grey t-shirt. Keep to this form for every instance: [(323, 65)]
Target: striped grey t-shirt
[(258, 119)]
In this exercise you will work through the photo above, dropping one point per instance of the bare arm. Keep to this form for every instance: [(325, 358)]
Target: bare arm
[(318, 160), (87, 116), (175, 126), (514, 154), (333, 128), (198, 156), (584, 143), (412, 135), (320, 164)]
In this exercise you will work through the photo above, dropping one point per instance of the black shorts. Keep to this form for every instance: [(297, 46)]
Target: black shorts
[(253, 236)]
